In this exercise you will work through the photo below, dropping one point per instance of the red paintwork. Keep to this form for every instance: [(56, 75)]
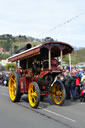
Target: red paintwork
[(24, 54), (35, 78), (44, 73), (49, 71), (46, 93), (24, 84), (19, 70)]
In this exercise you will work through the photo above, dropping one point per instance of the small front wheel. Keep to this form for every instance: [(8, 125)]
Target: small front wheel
[(34, 95), (58, 93)]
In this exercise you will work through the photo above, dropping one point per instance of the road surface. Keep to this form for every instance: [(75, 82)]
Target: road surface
[(48, 115)]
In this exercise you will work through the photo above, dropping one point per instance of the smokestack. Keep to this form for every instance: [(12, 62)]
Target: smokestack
[(27, 46)]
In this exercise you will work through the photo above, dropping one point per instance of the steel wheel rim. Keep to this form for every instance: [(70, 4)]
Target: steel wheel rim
[(57, 93), (12, 87), (32, 95)]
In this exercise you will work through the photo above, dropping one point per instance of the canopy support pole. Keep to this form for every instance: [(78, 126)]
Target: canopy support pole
[(18, 63), (49, 55), (61, 54)]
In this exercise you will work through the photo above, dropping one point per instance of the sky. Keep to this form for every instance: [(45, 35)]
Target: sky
[(44, 18)]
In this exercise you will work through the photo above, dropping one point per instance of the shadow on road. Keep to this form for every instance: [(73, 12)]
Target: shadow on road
[(70, 102), (49, 102)]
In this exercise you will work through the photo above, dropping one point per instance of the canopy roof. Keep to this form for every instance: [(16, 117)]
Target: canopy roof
[(54, 46)]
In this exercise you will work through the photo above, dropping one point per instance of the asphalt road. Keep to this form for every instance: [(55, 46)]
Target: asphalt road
[(48, 115)]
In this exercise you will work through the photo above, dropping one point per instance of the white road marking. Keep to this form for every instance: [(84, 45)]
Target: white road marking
[(57, 114), (82, 103)]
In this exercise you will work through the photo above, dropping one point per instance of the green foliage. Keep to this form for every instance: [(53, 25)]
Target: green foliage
[(4, 56), (15, 48), (6, 44), (80, 55), (73, 59), (76, 57), (6, 41), (10, 66)]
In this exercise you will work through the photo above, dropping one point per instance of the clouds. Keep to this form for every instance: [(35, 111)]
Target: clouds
[(37, 17)]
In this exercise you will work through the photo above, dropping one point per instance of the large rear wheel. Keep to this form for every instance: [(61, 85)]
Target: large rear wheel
[(58, 93), (34, 95), (14, 86)]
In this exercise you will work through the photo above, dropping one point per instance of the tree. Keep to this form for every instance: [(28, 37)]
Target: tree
[(15, 48), (48, 39), (10, 66), (4, 56)]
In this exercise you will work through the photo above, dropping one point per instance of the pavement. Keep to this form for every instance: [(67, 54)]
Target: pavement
[(47, 115)]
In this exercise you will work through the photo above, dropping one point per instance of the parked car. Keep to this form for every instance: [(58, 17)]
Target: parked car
[(5, 78)]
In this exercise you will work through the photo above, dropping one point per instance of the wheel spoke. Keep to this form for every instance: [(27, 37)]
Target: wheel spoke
[(34, 94), (32, 89), (34, 99), (12, 79), (14, 86)]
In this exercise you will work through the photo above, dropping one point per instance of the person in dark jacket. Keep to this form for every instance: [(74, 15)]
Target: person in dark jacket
[(73, 86), (77, 77), (67, 80)]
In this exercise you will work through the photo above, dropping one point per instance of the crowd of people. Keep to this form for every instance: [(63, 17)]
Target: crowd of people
[(73, 82)]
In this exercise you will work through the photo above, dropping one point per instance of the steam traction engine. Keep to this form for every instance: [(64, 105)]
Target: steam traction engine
[(37, 73)]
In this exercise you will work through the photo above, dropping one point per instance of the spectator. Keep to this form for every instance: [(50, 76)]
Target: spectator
[(67, 81), (73, 91), (77, 76), (80, 73), (83, 79)]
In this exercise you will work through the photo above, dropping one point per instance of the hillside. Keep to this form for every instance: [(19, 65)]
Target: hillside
[(76, 57), (79, 55), (8, 41)]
